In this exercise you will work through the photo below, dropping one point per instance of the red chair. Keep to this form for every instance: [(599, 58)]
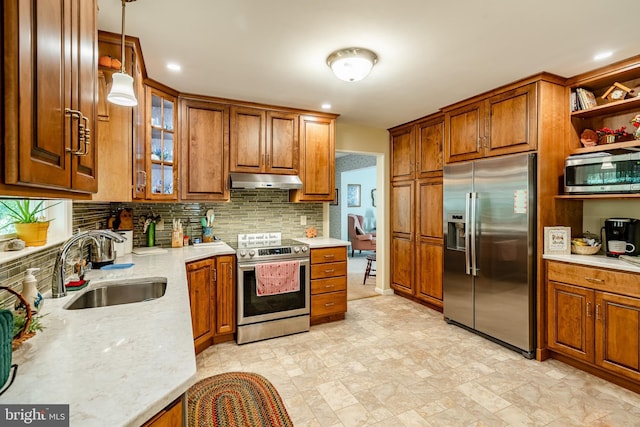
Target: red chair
[(360, 239)]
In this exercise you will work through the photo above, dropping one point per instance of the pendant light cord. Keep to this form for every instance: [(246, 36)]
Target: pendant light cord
[(122, 57)]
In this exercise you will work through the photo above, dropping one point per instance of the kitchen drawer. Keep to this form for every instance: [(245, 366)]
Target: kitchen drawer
[(328, 304), (324, 255), (594, 278), (333, 269), (332, 284)]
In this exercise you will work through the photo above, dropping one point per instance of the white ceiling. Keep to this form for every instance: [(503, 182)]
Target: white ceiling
[(431, 53)]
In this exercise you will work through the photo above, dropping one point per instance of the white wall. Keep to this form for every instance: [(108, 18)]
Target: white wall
[(594, 212)]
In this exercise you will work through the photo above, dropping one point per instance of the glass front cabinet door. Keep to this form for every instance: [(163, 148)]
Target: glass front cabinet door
[(160, 147)]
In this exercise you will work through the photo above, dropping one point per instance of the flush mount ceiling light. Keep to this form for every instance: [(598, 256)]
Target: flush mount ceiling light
[(121, 92), (352, 64)]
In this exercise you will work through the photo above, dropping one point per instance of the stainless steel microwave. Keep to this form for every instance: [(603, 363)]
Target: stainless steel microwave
[(602, 173)]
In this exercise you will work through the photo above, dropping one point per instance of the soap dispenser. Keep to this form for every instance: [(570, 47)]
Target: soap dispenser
[(30, 292)]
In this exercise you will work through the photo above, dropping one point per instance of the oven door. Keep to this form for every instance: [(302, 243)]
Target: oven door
[(253, 308)]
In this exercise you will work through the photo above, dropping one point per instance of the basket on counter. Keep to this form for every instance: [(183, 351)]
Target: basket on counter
[(585, 250), (23, 335)]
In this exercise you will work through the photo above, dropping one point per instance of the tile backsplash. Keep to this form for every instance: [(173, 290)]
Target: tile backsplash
[(249, 211)]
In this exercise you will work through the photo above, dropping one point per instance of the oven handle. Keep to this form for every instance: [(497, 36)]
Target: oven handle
[(250, 265)]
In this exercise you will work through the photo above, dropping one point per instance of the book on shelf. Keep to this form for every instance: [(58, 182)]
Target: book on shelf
[(587, 98)]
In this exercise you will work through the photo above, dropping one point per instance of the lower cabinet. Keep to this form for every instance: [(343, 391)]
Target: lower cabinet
[(593, 315), (212, 294), (171, 416), (328, 284)]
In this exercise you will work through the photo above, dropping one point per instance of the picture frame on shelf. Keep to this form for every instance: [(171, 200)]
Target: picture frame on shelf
[(557, 240), (353, 195)]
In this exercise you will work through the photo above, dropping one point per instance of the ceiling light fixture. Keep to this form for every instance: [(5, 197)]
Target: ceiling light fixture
[(326, 106), (602, 55), (121, 92), (174, 67), (352, 64)]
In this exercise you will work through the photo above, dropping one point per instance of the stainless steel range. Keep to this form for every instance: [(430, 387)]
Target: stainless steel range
[(273, 287)]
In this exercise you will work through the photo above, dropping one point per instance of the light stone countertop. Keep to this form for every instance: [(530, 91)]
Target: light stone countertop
[(602, 261), (323, 242), (117, 365)]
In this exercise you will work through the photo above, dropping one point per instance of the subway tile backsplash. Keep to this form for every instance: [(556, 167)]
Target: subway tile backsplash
[(249, 211)]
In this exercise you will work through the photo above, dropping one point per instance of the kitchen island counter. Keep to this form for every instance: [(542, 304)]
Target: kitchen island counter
[(116, 365), (323, 242)]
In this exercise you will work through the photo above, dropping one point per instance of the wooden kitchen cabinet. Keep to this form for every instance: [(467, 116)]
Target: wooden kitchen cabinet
[(317, 159), (212, 295), (429, 246), (402, 152), (204, 142), (502, 123), (328, 284), (416, 148), (50, 94), (161, 146), (402, 236), (594, 317), (264, 141), (171, 416)]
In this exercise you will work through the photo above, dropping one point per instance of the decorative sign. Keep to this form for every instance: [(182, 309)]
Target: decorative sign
[(557, 240)]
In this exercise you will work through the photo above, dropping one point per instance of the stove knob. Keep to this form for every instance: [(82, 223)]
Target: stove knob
[(243, 253), (296, 249), (252, 252), (304, 249)]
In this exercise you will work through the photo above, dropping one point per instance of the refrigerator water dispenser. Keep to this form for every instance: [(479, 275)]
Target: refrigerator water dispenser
[(456, 231)]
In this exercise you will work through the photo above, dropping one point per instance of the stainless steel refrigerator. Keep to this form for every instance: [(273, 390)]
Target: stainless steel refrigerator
[(490, 247)]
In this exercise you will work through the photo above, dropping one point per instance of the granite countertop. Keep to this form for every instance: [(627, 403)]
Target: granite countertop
[(323, 242), (117, 365), (601, 261)]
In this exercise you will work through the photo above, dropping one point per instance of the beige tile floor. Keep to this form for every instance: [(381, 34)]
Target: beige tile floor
[(393, 362)]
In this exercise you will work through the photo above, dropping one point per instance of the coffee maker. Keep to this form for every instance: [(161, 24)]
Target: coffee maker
[(624, 229)]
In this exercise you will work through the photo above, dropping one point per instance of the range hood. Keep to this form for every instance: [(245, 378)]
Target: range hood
[(264, 180)]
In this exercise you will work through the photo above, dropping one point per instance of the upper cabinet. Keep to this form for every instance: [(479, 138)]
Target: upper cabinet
[(204, 141), (317, 159), (161, 146), (264, 141), (503, 122), (416, 148), (50, 93)]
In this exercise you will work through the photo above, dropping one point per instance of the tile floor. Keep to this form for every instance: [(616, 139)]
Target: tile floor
[(393, 362)]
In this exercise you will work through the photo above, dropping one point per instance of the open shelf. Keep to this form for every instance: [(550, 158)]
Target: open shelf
[(630, 145), (610, 108), (598, 196)]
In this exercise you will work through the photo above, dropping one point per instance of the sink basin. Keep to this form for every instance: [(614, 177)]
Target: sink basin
[(120, 292)]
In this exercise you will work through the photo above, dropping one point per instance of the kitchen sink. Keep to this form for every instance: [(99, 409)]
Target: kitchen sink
[(120, 292)]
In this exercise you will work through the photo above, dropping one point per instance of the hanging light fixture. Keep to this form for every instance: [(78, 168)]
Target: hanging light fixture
[(352, 64), (121, 92)]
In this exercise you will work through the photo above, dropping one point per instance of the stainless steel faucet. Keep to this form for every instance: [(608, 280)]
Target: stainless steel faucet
[(58, 285)]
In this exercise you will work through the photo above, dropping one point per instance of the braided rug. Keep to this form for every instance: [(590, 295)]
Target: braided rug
[(236, 399)]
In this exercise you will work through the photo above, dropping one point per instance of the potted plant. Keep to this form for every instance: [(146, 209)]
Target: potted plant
[(28, 220)]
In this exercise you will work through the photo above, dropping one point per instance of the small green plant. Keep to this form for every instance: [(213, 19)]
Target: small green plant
[(19, 320), (22, 211)]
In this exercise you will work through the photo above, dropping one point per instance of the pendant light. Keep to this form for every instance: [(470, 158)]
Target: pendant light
[(121, 92), (352, 64)]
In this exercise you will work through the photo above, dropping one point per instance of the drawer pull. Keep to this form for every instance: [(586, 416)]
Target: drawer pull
[(329, 286), (593, 280), (588, 309), (329, 304), (329, 271), (329, 256)]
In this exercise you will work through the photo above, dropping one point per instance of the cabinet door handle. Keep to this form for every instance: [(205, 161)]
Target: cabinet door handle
[(329, 271), (329, 304), (598, 312), (329, 286), (593, 280), (143, 185), (329, 256), (588, 309), (84, 133)]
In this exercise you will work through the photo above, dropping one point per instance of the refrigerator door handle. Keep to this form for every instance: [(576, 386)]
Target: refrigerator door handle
[(467, 232), (474, 266)]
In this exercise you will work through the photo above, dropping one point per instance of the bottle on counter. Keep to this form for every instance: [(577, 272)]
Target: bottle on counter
[(30, 292)]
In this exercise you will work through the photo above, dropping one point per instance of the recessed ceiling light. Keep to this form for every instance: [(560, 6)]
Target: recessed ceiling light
[(173, 66), (602, 55), (326, 106)]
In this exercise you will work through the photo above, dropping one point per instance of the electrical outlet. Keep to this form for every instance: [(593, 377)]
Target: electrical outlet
[(303, 220), (160, 225), (98, 225)]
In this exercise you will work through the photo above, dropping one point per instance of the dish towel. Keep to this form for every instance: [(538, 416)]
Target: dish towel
[(277, 278)]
